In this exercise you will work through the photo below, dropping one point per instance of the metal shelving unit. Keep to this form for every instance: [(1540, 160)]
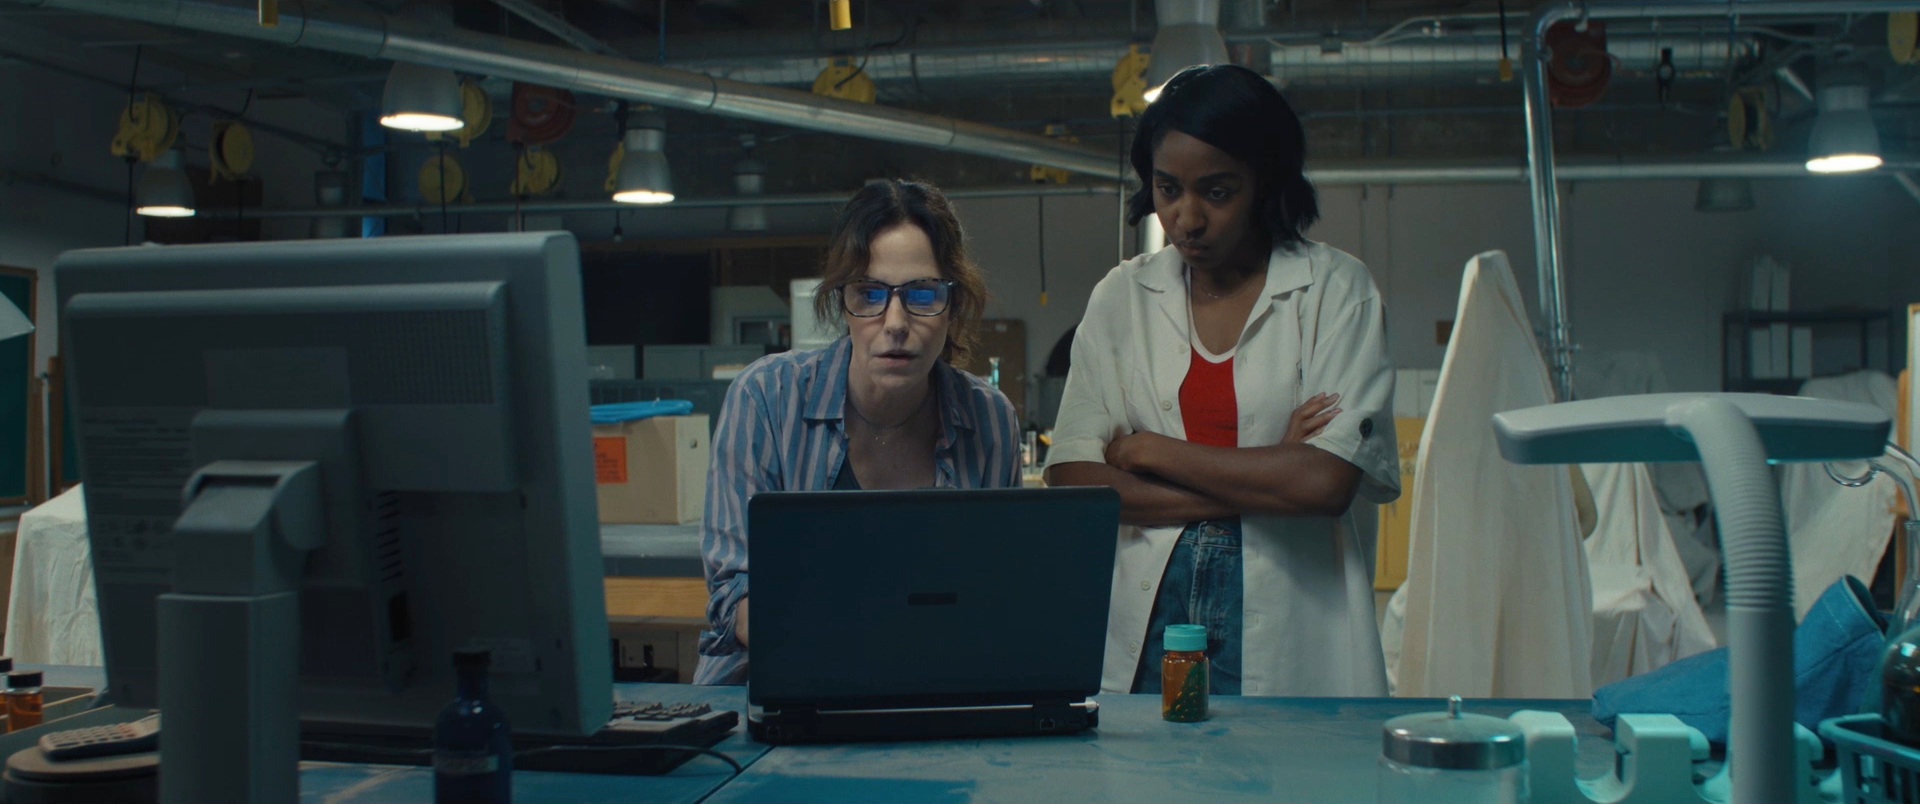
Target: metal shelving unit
[(1878, 333)]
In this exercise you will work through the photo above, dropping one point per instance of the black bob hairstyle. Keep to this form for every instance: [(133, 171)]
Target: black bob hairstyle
[(1236, 110)]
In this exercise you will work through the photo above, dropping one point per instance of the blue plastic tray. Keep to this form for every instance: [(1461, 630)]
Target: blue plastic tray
[(1876, 770)]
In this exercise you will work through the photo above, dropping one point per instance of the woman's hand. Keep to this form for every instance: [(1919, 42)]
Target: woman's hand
[(1130, 452), (1309, 419)]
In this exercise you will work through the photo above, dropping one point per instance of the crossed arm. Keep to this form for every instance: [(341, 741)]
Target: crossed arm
[(1159, 478)]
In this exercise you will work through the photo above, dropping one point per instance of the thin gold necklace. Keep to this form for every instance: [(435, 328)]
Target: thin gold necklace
[(882, 434), (1244, 284)]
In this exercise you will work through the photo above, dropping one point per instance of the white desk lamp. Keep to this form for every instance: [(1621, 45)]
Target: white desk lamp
[(1734, 437)]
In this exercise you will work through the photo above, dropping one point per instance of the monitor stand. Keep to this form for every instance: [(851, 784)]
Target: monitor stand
[(229, 632)]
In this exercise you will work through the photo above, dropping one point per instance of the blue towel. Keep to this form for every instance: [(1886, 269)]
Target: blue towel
[(1836, 653), (617, 412)]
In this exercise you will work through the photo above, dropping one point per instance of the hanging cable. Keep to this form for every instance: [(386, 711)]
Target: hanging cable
[(127, 239), (133, 84), (441, 156), (1506, 64), (1040, 202)]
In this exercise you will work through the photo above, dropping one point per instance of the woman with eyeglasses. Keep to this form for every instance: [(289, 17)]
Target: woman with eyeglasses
[(880, 408), (1234, 387)]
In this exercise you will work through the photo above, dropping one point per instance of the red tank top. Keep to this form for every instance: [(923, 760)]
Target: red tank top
[(1207, 404)]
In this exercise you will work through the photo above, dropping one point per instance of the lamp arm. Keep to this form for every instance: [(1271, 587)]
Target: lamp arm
[(1759, 595)]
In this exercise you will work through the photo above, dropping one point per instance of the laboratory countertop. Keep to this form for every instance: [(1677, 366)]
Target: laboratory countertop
[(334, 783), (1250, 749)]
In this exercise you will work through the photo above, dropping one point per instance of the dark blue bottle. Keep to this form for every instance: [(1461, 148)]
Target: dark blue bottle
[(472, 743)]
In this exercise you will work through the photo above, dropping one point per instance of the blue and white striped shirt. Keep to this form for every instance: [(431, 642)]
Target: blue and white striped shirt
[(781, 430)]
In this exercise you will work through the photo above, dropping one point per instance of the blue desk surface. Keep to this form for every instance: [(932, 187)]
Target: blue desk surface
[(334, 783), (1252, 749), (365, 784)]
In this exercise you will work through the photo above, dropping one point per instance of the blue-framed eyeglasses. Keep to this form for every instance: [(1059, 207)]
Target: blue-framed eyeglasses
[(923, 297)]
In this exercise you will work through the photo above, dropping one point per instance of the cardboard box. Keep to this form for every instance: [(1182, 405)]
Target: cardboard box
[(651, 471)]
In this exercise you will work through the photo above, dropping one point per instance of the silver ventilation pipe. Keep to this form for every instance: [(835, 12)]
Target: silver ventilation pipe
[(368, 34), (1322, 174), (717, 202)]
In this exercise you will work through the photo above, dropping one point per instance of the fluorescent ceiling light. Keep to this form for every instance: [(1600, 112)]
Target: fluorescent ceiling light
[(644, 174), (1844, 139), (1844, 163), (1189, 36), (421, 98), (164, 191), (749, 178)]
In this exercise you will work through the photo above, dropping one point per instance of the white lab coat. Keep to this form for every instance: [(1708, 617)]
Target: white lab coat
[(1644, 612), (1318, 326), (1498, 600), (1833, 530)]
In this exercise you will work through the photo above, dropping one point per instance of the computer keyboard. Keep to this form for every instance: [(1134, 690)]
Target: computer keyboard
[(649, 711), (638, 740)]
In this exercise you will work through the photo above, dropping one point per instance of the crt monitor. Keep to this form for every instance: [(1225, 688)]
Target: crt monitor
[(445, 376)]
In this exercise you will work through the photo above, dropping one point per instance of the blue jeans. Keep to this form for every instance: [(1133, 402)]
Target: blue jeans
[(1202, 586)]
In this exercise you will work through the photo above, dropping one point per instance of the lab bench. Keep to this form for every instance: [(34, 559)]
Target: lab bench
[(656, 598), (1251, 749), (653, 571)]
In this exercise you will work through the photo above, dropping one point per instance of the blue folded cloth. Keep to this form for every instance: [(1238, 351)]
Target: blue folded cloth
[(1836, 653), (617, 412)]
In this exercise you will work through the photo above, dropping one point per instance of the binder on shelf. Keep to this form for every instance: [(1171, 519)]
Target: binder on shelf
[(1780, 336), (1800, 359), (1760, 353)]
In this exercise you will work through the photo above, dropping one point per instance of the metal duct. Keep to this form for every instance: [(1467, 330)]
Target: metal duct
[(367, 34), (1295, 65), (531, 207), (1054, 62), (1323, 174), (1401, 61)]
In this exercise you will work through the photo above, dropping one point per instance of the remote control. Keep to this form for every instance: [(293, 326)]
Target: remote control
[(119, 738)]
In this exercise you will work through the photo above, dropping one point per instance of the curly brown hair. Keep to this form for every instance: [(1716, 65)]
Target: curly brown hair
[(881, 205)]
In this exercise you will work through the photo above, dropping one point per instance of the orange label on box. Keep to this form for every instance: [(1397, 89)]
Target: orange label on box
[(610, 459)]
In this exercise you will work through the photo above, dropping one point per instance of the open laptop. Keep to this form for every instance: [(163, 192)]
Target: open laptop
[(883, 615)]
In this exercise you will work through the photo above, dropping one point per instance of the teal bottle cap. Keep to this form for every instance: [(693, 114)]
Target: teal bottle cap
[(1186, 637)]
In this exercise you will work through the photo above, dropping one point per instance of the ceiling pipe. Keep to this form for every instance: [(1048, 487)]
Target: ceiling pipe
[(717, 202), (11, 177), (368, 34), (1906, 181), (551, 23), (1301, 64), (1322, 174), (1760, 624), (1792, 79)]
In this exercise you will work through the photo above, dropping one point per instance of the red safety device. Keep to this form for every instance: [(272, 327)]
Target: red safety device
[(1578, 65), (539, 115)]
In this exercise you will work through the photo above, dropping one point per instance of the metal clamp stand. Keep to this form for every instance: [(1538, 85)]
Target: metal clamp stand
[(1657, 753), (229, 633)]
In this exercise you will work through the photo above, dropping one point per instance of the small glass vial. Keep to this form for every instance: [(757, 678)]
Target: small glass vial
[(472, 742), (23, 699), (1185, 675), (1446, 757)]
